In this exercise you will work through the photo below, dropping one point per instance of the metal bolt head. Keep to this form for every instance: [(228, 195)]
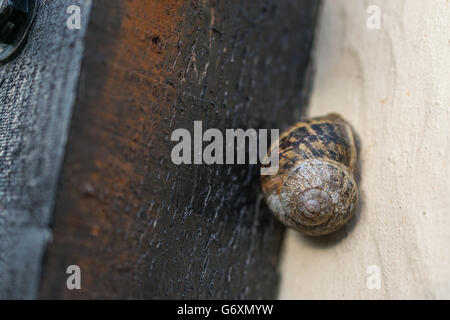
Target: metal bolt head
[(16, 17)]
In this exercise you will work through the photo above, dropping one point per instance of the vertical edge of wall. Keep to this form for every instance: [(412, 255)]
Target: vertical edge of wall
[(136, 224), (392, 84), (37, 92)]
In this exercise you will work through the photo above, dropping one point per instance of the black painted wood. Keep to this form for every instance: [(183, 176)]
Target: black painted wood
[(138, 225)]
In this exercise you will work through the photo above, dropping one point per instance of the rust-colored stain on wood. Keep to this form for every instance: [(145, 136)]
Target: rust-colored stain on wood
[(136, 224), (111, 125)]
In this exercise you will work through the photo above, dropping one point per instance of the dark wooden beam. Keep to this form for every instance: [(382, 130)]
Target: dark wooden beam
[(138, 225)]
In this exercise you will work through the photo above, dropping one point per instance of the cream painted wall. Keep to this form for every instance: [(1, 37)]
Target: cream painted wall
[(393, 85)]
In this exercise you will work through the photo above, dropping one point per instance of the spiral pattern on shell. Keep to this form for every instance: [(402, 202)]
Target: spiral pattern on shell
[(320, 197), (314, 190)]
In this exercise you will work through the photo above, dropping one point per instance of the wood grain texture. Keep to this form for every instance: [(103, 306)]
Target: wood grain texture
[(392, 85), (138, 225), (37, 91)]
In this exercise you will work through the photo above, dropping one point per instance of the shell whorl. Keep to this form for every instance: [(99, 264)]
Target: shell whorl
[(319, 197), (314, 190)]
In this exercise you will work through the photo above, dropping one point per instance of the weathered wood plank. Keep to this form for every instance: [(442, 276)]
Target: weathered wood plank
[(37, 91), (138, 225)]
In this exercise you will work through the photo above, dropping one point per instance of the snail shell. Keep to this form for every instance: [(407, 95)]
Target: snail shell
[(314, 190)]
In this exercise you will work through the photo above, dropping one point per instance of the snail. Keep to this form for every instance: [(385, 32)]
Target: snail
[(314, 190)]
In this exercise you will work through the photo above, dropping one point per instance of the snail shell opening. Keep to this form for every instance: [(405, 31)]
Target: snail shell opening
[(318, 197)]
